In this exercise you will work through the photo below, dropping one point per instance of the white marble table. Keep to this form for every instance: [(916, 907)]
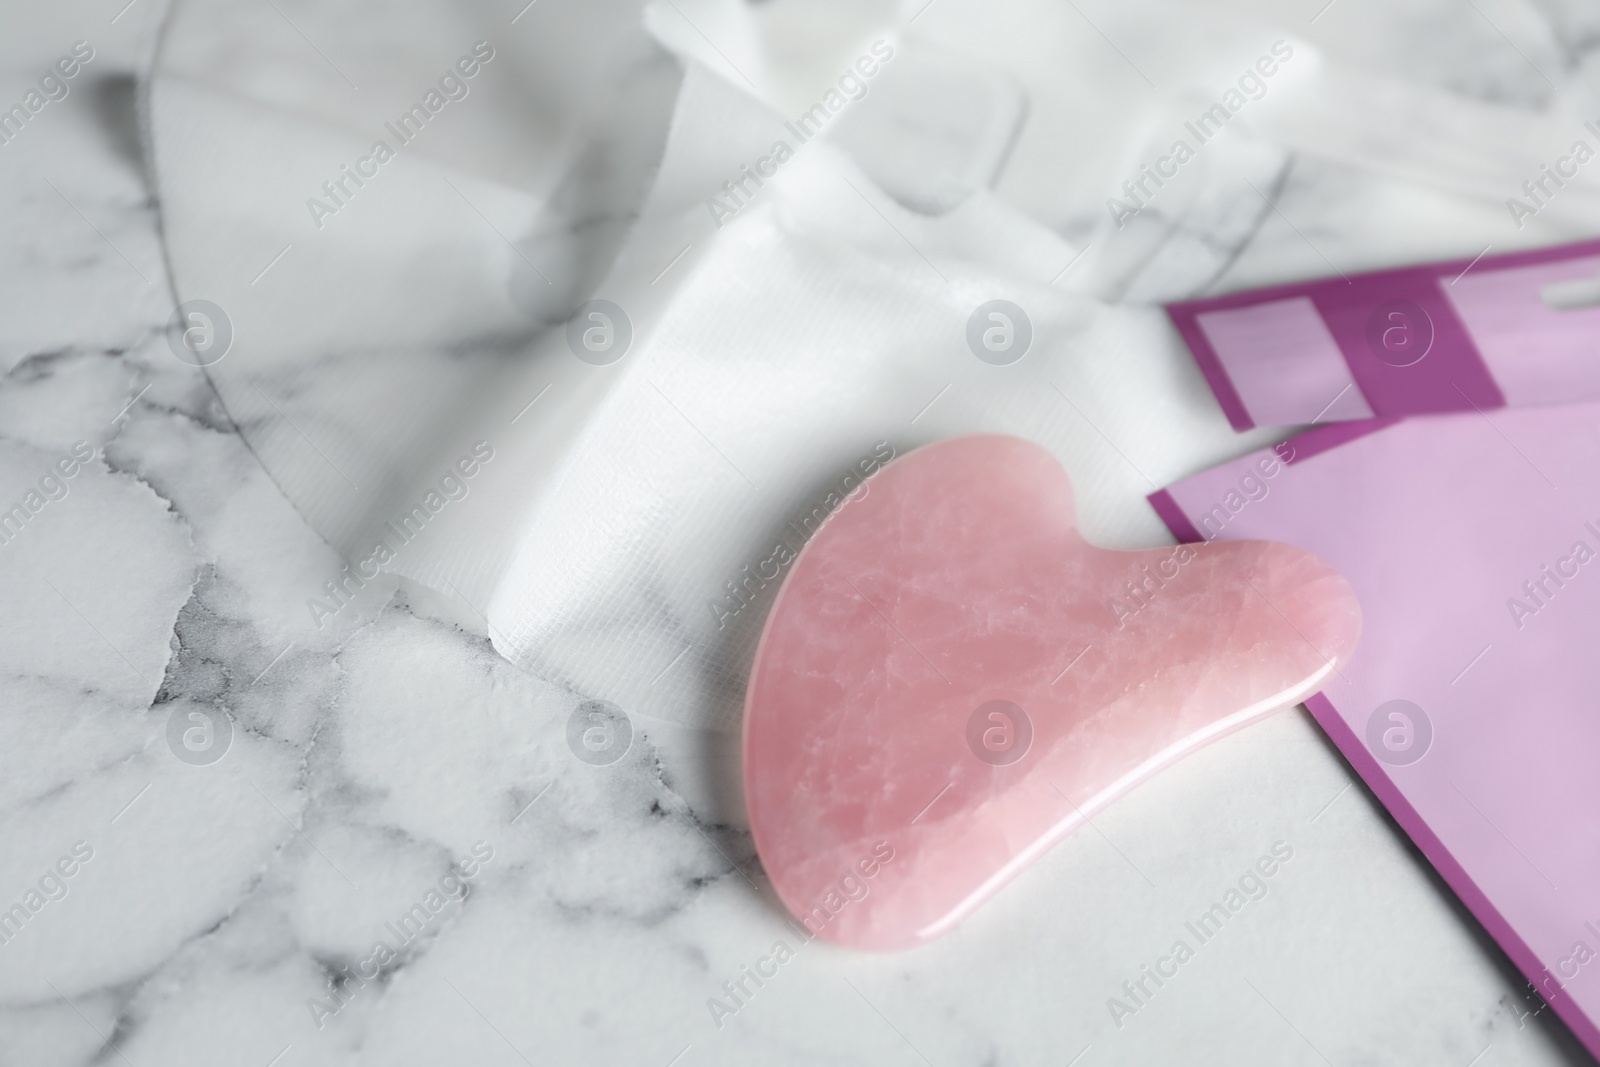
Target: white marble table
[(224, 907)]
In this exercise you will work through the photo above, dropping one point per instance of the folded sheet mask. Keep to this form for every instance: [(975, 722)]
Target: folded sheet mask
[(623, 533), (383, 226), (630, 504)]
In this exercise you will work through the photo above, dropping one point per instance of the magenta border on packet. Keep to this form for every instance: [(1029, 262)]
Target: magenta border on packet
[(1389, 794), (1460, 882), (1456, 382), (1315, 442), (1184, 318)]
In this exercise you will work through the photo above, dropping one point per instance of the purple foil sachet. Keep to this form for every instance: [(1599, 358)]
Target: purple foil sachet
[(1496, 331)]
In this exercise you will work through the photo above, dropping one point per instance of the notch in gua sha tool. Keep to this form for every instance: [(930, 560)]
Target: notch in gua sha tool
[(952, 679)]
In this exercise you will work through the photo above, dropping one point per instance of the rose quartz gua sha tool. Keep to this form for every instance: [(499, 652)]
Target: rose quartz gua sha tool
[(952, 679)]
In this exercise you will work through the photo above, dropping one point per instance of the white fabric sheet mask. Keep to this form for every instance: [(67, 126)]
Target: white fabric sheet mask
[(768, 358), (388, 234), (825, 331)]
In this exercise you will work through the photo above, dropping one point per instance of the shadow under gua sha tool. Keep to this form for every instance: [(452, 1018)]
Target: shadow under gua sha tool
[(952, 679)]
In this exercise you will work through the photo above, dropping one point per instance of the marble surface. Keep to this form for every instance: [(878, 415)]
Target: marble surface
[(223, 907)]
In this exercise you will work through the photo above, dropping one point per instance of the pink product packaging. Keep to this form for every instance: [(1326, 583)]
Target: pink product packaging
[(1470, 706), (1496, 331)]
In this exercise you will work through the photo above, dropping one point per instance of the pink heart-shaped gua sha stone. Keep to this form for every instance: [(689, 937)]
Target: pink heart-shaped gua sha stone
[(952, 679)]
